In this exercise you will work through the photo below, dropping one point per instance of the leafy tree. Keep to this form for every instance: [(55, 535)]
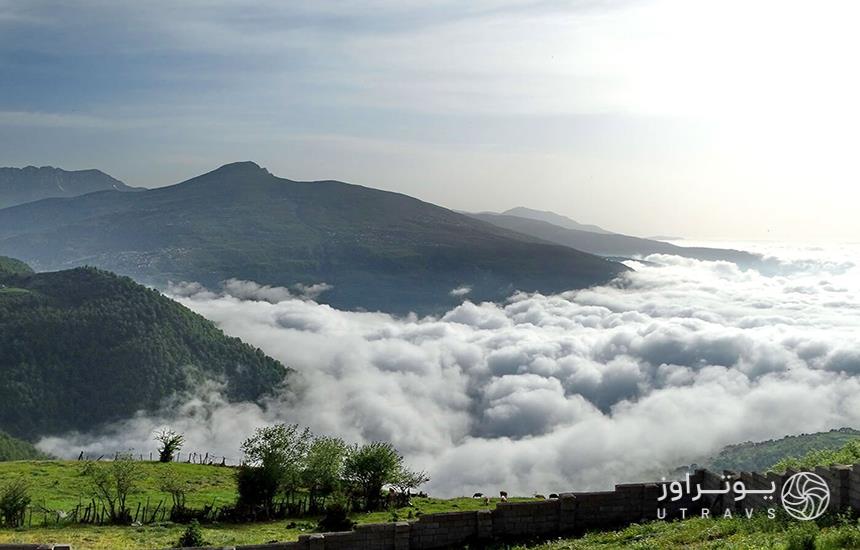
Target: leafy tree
[(323, 470), (112, 482), (370, 467), (171, 442), (405, 480), (274, 461), (14, 499)]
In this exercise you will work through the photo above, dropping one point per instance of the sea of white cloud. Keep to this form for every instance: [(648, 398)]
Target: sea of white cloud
[(575, 391)]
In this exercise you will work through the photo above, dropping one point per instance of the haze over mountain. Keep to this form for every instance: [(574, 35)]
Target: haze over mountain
[(82, 347), (379, 250), (22, 185), (612, 244), (553, 218)]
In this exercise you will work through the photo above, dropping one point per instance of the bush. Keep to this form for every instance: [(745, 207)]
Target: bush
[(336, 517), (14, 499), (192, 536), (802, 537), (111, 484), (843, 537)]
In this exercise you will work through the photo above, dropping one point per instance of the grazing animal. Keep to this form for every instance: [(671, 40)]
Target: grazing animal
[(486, 501), (553, 495), (504, 495), (539, 496), (477, 495)]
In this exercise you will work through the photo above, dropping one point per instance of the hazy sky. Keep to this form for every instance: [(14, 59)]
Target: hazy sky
[(708, 119)]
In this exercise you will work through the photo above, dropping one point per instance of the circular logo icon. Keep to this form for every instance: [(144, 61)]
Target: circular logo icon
[(805, 496)]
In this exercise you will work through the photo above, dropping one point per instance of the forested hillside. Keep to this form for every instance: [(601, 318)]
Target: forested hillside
[(84, 346), (12, 448), (759, 456)]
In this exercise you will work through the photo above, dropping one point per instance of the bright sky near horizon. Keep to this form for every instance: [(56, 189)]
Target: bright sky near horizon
[(722, 119)]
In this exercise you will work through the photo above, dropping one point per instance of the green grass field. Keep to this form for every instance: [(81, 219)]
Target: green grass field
[(60, 486)]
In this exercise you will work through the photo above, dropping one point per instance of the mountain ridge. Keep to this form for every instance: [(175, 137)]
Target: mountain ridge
[(616, 245), (554, 218), (31, 183), (378, 249)]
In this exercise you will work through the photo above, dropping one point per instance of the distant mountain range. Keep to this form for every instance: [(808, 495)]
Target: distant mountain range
[(604, 243), (82, 347), (22, 185), (553, 218), (379, 250)]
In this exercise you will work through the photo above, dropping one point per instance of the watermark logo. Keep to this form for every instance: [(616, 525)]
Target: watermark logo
[(805, 496)]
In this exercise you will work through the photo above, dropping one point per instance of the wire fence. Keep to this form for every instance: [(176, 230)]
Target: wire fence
[(187, 457)]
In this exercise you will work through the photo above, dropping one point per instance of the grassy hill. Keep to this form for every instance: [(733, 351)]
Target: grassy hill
[(82, 347), (22, 185), (11, 266), (760, 456), (379, 250)]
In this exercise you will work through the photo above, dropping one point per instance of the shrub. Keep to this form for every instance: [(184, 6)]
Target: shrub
[(192, 536), (336, 516), (14, 499), (802, 537), (112, 482)]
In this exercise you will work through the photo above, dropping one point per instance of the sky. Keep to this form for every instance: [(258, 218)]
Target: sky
[(703, 119)]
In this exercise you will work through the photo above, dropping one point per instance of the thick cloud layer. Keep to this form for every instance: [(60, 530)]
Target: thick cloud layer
[(550, 393)]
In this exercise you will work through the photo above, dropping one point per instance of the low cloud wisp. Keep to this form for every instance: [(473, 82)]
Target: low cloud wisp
[(575, 391)]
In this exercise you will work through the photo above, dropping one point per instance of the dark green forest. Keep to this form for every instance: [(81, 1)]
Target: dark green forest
[(82, 347)]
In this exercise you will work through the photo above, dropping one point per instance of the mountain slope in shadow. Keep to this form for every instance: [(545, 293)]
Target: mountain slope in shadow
[(379, 250), (23, 185)]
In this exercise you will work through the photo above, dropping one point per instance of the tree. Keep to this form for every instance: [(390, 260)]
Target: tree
[(112, 482), (405, 480), (370, 467), (323, 470), (274, 460), (171, 442), (173, 484)]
